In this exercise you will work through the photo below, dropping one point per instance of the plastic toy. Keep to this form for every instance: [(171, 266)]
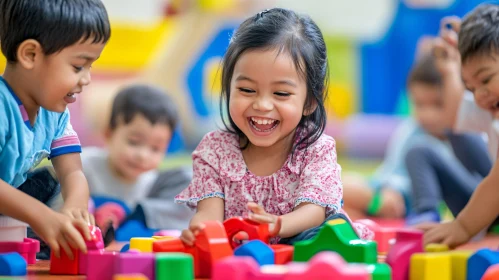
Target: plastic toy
[(408, 243), (211, 245), (254, 230), (479, 262), (384, 237), (96, 243), (27, 249), (130, 277), (258, 250), (131, 229), (283, 254), (110, 211), (337, 236), (325, 265), (130, 263), (176, 266), (125, 248), (100, 265), (12, 264), (492, 273), (171, 232), (459, 261), (426, 266), (434, 248), (64, 265), (380, 271), (143, 244)]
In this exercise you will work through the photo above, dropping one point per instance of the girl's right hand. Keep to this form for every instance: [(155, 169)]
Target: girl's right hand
[(188, 236), (60, 231)]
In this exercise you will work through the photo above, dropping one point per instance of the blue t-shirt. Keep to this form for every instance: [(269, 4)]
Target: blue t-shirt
[(22, 146)]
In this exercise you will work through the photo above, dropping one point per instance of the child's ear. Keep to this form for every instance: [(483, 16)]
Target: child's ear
[(107, 133), (28, 52), (309, 110)]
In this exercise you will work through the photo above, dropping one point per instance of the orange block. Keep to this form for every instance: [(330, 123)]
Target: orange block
[(138, 276), (492, 273), (283, 254)]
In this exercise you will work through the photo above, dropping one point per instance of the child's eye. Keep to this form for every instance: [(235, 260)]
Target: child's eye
[(133, 142), (487, 80), (280, 93), (77, 68), (247, 90)]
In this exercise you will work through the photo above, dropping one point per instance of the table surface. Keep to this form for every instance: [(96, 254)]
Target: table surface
[(40, 270)]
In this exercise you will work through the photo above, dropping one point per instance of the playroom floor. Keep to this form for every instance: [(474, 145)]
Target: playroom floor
[(40, 270)]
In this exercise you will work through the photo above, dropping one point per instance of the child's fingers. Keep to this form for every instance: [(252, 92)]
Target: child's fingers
[(86, 217), (65, 246), (255, 208), (426, 226), (259, 218), (83, 227), (195, 229), (92, 219), (54, 246), (76, 238), (187, 237), (451, 23)]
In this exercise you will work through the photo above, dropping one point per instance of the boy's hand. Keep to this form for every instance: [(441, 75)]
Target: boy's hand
[(451, 234), (61, 231), (80, 214), (448, 59), (188, 236), (259, 215)]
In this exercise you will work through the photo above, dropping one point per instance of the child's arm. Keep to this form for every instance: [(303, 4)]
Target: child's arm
[(74, 187), (479, 213), (54, 228)]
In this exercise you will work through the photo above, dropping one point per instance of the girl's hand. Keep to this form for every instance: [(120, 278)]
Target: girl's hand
[(451, 234), (80, 216), (259, 215), (188, 236)]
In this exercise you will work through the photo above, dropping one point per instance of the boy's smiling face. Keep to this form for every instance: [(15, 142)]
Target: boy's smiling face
[(481, 76), (59, 77)]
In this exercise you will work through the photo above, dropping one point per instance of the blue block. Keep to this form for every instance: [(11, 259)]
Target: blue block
[(12, 264), (131, 229), (480, 261), (125, 248), (258, 250)]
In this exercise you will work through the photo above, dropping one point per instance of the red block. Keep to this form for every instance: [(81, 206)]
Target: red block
[(64, 265), (283, 253), (384, 236), (254, 230), (408, 242)]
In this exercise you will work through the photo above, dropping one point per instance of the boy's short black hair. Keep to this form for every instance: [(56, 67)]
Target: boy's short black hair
[(150, 101), (479, 34), (55, 24), (425, 71)]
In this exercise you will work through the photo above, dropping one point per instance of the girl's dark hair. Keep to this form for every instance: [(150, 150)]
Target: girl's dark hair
[(301, 38)]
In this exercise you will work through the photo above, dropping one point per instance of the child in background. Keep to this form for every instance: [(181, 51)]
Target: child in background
[(474, 56), (273, 160), (424, 164), (143, 119), (50, 47)]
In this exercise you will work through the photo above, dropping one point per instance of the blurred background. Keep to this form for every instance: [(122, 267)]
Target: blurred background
[(178, 44)]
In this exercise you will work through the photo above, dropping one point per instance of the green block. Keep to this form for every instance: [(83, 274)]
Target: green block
[(174, 266), (380, 271), (340, 238)]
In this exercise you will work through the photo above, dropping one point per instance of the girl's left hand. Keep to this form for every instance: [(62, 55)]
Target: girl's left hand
[(258, 214)]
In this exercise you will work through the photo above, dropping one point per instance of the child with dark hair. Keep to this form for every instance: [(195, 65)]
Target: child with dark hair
[(50, 46), (273, 159), (143, 119), (424, 163), (468, 52)]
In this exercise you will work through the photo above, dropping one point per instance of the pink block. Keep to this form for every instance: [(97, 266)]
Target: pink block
[(100, 265), (133, 263), (384, 236), (26, 249), (327, 265), (408, 242), (170, 232), (240, 268), (83, 262)]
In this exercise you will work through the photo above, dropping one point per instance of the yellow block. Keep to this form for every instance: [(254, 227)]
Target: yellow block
[(336, 222), (162, 237), (138, 276), (434, 248), (430, 266), (142, 244), (341, 101), (460, 264)]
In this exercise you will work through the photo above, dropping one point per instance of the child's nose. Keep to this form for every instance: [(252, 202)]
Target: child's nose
[(86, 79), (263, 104)]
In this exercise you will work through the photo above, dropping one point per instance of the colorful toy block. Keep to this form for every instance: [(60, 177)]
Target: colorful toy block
[(12, 264), (435, 248), (254, 230), (100, 265), (64, 265), (143, 244), (384, 237), (479, 262), (131, 263), (283, 254), (125, 248), (96, 243), (426, 266), (337, 236), (211, 245), (258, 250), (243, 268), (27, 249), (129, 277), (379, 271), (492, 273), (174, 266), (408, 242), (459, 261), (170, 232)]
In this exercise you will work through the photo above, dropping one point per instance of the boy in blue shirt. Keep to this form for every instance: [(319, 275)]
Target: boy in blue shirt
[(50, 46)]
